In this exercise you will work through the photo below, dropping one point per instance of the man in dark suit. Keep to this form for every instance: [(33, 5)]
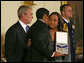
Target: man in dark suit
[(41, 49), (68, 26), (15, 37)]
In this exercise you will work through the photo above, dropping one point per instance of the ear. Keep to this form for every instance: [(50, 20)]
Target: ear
[(23, 14), (44, 16), (63, 12)]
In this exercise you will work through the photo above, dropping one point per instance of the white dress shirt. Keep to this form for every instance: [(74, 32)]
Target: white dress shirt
[(66, 20), (41, 20), (23, 25)]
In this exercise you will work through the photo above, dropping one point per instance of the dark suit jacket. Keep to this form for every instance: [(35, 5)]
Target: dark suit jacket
[(15, 40), (41, 49)]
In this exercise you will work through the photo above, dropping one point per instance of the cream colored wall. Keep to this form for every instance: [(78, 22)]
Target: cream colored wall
[(9, 11), (8, 14), (52, 6)]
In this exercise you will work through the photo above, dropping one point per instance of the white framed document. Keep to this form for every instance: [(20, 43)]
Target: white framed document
[(62, 42)]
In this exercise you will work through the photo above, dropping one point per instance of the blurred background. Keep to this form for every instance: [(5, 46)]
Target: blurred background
[(9, 17)]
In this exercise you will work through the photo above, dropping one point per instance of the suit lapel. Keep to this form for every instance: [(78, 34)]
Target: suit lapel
[(20, 27), (21, 34)]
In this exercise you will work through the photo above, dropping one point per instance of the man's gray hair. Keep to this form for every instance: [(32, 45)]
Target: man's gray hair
[(23, 9)]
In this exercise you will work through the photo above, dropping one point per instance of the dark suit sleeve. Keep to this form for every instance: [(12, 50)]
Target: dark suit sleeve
[(42, 43), (10, 44)]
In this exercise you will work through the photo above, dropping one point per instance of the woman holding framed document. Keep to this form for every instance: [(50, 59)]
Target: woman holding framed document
[(55, 25)]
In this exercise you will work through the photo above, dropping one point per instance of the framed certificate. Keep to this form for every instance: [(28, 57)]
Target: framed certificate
[(62, 42)]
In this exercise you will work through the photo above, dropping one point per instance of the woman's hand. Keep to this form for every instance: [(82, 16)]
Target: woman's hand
[(58, 54)]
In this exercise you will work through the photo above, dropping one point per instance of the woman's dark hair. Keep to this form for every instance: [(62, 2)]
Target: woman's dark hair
[(40, 13), (60, 25)]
